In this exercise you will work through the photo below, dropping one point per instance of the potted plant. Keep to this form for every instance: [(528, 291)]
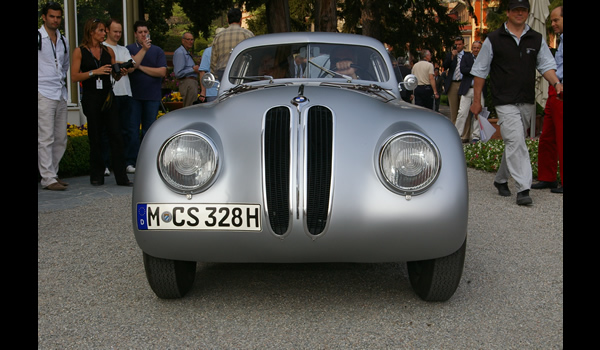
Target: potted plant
[(172, 100)]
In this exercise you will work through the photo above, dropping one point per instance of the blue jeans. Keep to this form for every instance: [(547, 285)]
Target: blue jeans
[(142, 112)]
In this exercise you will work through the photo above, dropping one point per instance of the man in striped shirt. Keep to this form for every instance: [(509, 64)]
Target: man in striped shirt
[(226, 41)]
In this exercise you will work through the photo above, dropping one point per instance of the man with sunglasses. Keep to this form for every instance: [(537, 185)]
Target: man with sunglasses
[(53, 64)]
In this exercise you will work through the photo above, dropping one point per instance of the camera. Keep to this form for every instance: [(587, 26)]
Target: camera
[(454, 47), (117, 66)]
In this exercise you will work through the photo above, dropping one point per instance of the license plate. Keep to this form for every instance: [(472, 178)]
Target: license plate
[(227, 217)]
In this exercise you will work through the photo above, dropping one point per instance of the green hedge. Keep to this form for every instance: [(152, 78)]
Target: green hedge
[(76, 160)]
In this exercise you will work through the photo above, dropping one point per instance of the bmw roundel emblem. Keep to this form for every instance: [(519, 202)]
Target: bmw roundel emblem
[(300, 99)]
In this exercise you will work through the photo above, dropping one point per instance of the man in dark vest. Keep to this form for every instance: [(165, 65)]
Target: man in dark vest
[(511, 55)]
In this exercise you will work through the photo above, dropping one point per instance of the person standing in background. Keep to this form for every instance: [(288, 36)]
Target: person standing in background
[(454, 77), (146, 83), (92, 65), (551, 139), (121, 88), (426, 91), (207, 95), (439, 84), (226, 41), (186, 70), (465, 91), (53, 64)]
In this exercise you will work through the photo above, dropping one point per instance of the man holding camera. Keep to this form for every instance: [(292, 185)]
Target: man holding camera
[(121, 88)]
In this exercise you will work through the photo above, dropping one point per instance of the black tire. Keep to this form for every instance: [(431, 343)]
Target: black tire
[(169, 279), (437, 279)]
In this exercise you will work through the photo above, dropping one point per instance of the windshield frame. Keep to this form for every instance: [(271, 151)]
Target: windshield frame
[(312, 61)]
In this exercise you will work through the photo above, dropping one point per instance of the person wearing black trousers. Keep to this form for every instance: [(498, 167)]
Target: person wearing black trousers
[(92, 65)]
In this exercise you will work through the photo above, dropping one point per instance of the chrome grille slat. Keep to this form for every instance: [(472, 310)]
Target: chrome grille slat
[(277, 168), (319, 155)]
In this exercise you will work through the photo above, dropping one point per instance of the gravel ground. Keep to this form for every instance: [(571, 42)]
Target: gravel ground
[(93, 294)]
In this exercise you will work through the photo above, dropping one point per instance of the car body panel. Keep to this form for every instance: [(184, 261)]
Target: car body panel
[(366, 221)]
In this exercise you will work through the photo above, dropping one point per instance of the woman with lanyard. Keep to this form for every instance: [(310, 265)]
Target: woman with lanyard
[(92, 65)]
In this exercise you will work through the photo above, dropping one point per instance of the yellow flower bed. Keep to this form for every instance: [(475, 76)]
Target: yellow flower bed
[(174, 96), (75, 131)]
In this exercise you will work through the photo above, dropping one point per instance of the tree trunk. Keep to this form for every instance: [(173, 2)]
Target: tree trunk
[(325, 16), (371, 25), (278, 16)]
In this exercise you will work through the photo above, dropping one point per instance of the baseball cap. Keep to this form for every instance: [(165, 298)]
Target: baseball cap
[(513, 4)]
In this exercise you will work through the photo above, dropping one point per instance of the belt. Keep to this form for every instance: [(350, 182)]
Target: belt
[(188, 78), (456, 81)]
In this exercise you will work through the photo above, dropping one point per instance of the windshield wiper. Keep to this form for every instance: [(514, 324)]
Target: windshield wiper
[(333, 74), (255, 78), (370, 88), (239, 88)]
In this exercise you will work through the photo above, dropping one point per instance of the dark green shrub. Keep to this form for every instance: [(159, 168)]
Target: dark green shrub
[(76, 160)]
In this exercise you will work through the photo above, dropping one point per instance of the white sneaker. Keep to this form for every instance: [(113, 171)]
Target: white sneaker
[(106, 172), (130, 169)]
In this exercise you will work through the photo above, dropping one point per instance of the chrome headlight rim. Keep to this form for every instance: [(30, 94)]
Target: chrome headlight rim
[(170, 181), (429, 179)]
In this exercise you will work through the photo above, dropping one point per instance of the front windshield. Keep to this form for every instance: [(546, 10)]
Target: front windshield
[(309, 61)]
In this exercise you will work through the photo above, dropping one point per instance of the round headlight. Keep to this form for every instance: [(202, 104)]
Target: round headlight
[(188, 162), (409, 163)]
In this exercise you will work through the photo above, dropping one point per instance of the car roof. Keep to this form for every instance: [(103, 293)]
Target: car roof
[(321, 37)]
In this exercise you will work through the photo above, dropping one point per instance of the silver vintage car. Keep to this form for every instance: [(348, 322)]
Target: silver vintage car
[(308, 155)]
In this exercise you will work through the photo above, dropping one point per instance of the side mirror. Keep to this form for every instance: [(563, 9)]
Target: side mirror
[(209, 80), (410, 82)]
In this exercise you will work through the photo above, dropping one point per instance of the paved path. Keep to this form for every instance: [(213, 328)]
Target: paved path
[(93, 293), (80, 193)]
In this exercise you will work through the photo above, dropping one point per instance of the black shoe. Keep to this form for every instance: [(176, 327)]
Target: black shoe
[(97, 182), (502, 189), (544, 184), (523, 198), (557, 190)]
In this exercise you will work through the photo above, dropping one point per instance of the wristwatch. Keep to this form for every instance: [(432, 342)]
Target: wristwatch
[(91, 74), (558, 82)]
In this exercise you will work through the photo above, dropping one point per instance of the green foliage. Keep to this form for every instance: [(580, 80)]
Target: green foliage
[(158, 11), (202, 13), (76, 160), (409, 26), (487, 155)]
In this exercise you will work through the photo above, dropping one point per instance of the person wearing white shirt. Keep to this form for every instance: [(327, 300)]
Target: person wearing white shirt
[(122, 91), (53, 64), (511, 55)]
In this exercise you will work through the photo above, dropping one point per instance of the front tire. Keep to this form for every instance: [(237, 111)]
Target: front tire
[(437, 279), (169, 279)]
